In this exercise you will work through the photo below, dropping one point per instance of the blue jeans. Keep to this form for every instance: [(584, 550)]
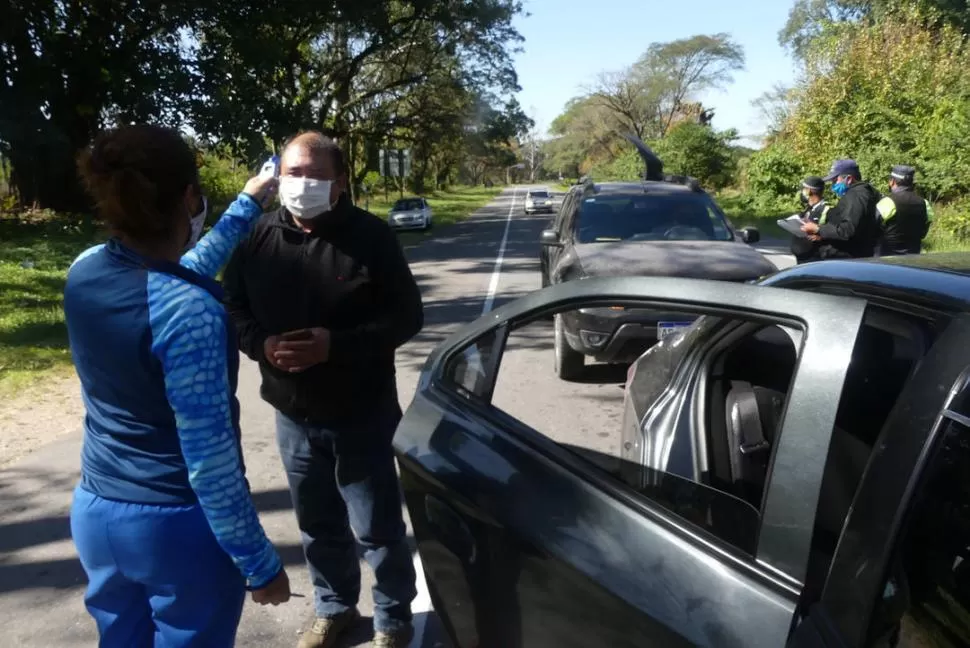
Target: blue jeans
[(156, 575), (343, 479)]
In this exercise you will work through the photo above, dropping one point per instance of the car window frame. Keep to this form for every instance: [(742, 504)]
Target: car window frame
[(858, 570), (562, 218), (784, 537)]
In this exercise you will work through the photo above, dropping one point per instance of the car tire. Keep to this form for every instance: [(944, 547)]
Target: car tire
[(569, 364)]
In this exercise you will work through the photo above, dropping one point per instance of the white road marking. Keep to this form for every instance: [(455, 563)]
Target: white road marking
[(421, 605), (497, 272)]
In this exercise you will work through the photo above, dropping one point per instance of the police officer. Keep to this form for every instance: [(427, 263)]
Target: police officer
[(905, 216), (816, 211), (851, 229)]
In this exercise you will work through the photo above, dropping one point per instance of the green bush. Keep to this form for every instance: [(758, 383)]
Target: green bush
[(700, 152), (627, 166), (895, 90), (772, 179), (222, 179), (953, 219)]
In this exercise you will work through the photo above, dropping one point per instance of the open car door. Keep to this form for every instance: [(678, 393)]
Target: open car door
[(526, 543), (900, 576)]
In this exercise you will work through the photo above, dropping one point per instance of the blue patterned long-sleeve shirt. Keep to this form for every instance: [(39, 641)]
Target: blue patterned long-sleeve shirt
[(153, 348)]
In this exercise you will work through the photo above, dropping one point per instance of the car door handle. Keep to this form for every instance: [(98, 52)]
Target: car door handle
[(450, 528)]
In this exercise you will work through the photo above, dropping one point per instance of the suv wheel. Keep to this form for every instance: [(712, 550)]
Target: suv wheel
[(569, 363)]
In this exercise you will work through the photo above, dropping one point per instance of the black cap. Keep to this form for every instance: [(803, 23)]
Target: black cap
[(903, 174), (814, 182), (843, 168)]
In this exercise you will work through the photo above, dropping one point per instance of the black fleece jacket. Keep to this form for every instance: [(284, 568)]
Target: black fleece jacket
[(852, 227), (349, 276)]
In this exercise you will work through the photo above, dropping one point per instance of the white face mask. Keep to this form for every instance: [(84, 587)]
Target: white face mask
[(195, 224), (305, 198)]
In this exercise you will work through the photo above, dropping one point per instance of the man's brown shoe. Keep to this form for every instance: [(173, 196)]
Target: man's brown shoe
[(325, 631), (397, 639)]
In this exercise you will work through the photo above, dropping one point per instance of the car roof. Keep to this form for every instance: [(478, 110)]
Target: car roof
[(941, 278), (643, 187)]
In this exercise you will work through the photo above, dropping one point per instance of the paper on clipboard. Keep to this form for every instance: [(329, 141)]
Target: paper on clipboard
[(793, 225)]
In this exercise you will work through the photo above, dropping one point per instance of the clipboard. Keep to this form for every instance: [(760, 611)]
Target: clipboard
[(792, 225)]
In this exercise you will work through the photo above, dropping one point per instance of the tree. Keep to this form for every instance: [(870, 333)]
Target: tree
[(811, 20), (315, 64), (633, 104), (776, 106), (68, 69), (492, 138), (893, 90), (673, 72), (699, 151)]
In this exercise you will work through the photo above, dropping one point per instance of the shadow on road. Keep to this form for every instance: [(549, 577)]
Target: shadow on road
[(65, 573)]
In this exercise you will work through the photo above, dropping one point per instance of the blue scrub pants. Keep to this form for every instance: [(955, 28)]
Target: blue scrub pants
[(156, 575)]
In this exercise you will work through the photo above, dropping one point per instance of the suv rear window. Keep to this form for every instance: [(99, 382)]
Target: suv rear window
[(651, 217)]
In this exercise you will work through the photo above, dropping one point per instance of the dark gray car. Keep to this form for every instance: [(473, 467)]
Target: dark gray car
[(792, 472), (648, 228)]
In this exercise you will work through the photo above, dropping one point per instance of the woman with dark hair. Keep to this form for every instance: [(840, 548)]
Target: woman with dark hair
[(162, 518)]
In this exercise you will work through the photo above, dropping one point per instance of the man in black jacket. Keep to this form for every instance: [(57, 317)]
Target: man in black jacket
[(322, 296), (852, 229)]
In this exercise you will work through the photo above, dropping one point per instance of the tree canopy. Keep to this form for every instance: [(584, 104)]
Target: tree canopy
[(650, 99), (246, 75)]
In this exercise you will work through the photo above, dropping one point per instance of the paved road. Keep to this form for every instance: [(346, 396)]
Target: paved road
[(41, 582)]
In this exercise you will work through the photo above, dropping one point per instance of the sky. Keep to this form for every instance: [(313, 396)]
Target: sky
[(569, 42)]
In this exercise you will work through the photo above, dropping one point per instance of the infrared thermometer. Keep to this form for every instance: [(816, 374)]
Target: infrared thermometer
[(271, 168)]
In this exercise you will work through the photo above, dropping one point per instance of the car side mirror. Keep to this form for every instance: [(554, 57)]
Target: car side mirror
[(550, 238), (750, 235)]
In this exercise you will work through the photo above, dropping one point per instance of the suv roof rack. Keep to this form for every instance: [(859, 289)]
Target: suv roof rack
[(655, 167)]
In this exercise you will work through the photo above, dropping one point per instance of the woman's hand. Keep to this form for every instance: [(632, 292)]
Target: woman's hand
[(276, 592), (262, 189)]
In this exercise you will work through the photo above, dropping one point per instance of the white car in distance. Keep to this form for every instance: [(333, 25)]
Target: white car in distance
[(410, 214), (538, 200)]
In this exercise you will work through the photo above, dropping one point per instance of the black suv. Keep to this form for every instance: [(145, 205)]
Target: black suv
[(667, 227)]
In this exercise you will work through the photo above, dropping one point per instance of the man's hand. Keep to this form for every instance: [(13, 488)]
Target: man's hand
[(262, 189), (810, 228), (276, 592), (299, 355)]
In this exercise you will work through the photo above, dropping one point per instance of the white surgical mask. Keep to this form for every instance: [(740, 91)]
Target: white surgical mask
[(195, 225), (305, 198)]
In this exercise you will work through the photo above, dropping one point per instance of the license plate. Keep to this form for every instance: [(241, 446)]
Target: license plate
[(665, 329)]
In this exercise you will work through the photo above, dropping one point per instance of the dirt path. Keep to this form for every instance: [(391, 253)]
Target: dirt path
[(45, 412)]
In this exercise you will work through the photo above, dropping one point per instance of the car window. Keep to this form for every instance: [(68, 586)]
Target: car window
[(407, 204), (590, 425), (748, 373), (564, 217), (539, 194), (926, 598), (675, 216)]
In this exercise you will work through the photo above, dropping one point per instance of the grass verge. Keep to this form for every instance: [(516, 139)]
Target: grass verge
[(37, 250), (733, 205), (35, 253)]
